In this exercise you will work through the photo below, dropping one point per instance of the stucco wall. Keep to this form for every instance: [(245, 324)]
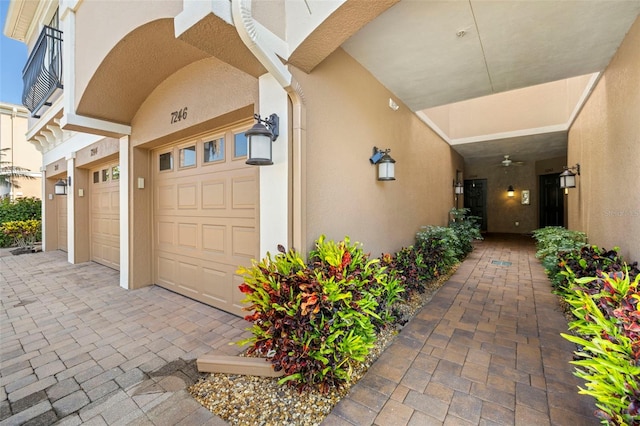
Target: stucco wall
[(605, 140), (100, 26), (347, 115)]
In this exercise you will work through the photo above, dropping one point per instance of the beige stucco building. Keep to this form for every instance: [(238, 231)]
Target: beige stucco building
[(17, 152), (146, 108)]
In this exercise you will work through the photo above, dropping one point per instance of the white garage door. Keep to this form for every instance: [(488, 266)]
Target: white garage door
[(205, 218), (105, 215)]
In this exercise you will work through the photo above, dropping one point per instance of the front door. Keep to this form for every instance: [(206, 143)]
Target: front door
[(551, 201), (475, 199)]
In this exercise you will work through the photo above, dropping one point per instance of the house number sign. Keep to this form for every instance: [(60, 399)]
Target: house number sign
[(179, 115)]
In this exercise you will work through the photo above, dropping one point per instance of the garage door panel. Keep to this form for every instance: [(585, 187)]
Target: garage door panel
[(213, 194), (188, 235), (216, 285), (103, 201), (187, 196), (214, 237), (166, 271), (243, 241), (164, 233), (244, 194), (114, 230), (188, 276), (166, 198)]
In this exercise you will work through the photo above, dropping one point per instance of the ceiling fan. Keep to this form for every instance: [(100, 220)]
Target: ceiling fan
[(509, 162)]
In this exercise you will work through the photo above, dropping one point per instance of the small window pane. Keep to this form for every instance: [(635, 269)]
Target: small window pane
[(188, 156), (105, 175), (240, 145), (115, 173), (96, 177), (166, 161), (214, 150)]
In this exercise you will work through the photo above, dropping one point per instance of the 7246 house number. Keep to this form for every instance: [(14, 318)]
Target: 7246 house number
[(179, 115)]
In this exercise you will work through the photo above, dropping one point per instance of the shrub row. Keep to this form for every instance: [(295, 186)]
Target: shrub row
[(602, 291), (22, 233), (315, 320), (21, 209)]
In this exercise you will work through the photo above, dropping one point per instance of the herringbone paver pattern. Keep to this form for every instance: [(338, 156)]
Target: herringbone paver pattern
[(486, 350)]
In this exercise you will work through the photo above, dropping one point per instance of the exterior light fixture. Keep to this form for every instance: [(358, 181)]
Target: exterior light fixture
[(259, 140), (386, 164), (60, 187), (459, 188), (510, 191), (568, 178)]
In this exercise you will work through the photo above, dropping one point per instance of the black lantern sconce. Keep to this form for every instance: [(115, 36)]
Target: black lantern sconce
[(60, 187), (568, 177), (259, 140), (386, 164), (510, 191)]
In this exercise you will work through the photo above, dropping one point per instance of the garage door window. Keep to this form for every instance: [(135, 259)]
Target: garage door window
[(188, 156), (214, 150), (115, 173), (105, 175), (96, 177), (240, 145), (166, 161)]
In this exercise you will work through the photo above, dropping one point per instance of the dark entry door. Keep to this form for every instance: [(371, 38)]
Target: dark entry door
[(475, 199), (551, 201)]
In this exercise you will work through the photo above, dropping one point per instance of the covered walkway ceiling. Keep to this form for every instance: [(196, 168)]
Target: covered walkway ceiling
[(434, 53)]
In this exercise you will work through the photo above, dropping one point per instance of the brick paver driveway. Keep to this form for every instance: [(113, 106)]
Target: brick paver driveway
[(78, 348)]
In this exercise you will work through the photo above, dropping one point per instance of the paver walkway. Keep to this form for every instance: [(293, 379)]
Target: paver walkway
[(485, 350), (76, 348)]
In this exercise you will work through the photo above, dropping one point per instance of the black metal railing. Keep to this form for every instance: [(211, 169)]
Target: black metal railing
[(42, 74)]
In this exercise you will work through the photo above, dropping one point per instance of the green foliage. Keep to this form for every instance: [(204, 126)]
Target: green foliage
[(314, 321), (588, 261), (23, 233), (553, 240), (436, 250), (19, 210), (440, 244), (466, 228), (608, 332)]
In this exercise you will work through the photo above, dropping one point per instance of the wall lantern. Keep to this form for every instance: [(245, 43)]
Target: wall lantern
[(510, 191), (459, 188), (568, 178), (60, 187), (259, 140), (386, 164)]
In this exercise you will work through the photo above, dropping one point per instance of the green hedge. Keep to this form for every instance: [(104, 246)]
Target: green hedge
[(22, 209)]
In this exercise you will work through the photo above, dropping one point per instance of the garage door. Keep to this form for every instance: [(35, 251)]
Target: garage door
[(205, 218), (105, 215), (61, 212)]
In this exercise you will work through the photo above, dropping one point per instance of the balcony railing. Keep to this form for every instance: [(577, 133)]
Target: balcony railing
[(42, 74)]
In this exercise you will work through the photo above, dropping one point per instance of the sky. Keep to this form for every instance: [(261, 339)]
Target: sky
[(13, 56)]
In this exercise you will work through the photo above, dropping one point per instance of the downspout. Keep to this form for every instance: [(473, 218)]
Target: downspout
[(257, 39)]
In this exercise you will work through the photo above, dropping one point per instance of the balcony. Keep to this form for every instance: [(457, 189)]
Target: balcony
[(42, 74)]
